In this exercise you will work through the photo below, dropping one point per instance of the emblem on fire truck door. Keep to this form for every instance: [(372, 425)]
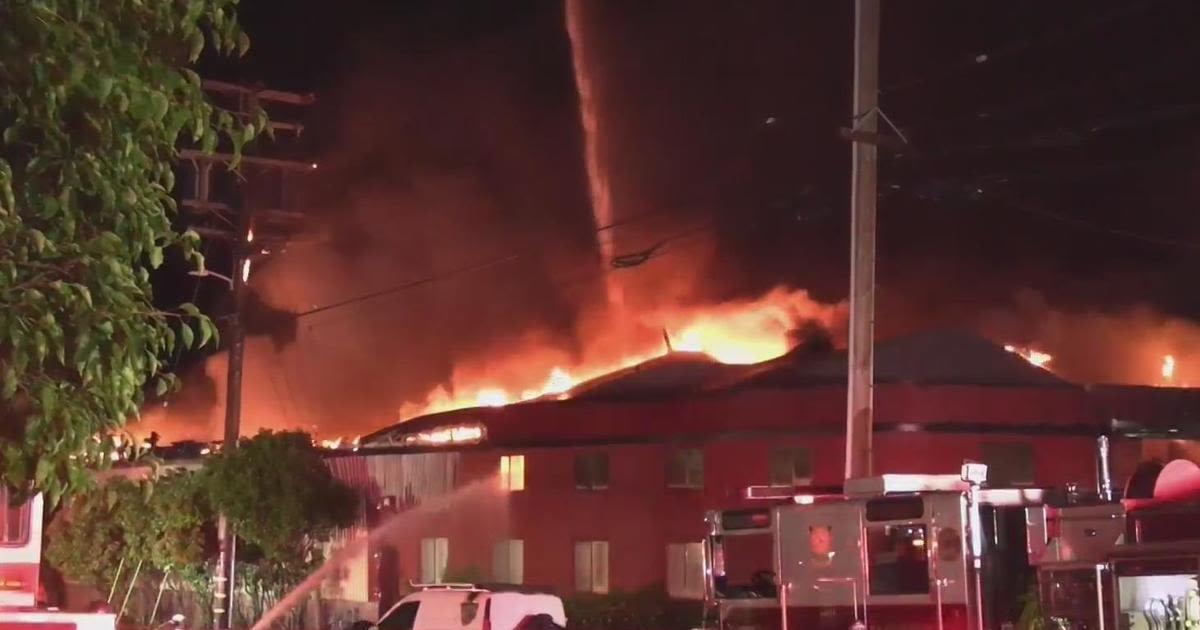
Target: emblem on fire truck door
[(820, 544), (949, 544)]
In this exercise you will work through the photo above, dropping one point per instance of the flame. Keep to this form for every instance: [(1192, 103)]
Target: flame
[(743, 332), (1034, 357), (1168, 368)]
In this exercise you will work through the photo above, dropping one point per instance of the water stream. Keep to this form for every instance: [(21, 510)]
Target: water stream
[(388, 530)]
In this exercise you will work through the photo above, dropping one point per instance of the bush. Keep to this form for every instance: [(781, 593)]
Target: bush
[(649, 609)]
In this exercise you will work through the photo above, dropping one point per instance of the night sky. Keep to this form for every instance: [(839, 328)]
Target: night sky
[(1048, 191)]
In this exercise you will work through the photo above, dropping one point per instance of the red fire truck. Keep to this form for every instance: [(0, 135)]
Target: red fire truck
[(947, 552), (20, 563), (894, 551)]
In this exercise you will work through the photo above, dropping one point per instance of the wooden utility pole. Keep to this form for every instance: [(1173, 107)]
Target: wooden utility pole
[(861, 357), (256, 231)]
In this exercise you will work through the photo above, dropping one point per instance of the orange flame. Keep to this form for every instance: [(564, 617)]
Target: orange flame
[(742, 332), (1034, 357), (1168, 368)]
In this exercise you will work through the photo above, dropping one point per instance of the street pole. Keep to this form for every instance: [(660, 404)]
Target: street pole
[(861, 356), (223, 600)]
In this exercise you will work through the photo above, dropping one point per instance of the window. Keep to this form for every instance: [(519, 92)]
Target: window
[(685, 570), (899, 562), (591, 471), (591, 566), (401, 617), (791, 466), (1009, 463), (508, 561), (14, 521), (685, 468), (512, 472), (434, 554)]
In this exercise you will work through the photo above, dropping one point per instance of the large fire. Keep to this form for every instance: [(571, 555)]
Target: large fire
[(739, 332)]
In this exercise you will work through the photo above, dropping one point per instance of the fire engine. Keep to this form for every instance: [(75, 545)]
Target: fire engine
[(20, 564), (948, 552)]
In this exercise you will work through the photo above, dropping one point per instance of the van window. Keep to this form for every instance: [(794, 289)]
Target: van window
[(402, 617), (899, 562)]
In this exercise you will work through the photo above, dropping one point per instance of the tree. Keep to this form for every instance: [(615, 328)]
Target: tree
[(96, 98), (282, 500), (279, 495)]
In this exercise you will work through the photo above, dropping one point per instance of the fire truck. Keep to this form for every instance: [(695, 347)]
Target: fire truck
[(948, 552), (20, 565)]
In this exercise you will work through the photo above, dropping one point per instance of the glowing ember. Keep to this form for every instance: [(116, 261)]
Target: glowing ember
[(1168, 368), (743, 332), (1035, 357)]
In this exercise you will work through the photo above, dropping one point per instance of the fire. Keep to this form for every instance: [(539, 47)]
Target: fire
[(1168, 368), (743, 332), (1035, 357)]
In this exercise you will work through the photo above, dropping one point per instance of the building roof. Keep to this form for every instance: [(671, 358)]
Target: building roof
[(939, 357), (932, 381)]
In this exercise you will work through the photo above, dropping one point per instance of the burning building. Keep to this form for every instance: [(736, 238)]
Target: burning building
[(604, 488)]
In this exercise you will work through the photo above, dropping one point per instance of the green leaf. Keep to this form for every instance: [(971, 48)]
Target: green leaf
[(156, 257), (39, 240), (196, 44), (190, 309), (206, 331), (10, 382), (243, 44), (161, 387), (186, 335)]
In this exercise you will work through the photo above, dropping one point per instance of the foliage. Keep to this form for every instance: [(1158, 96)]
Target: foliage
[(164, 524), (619, 610), (86, 543), (279, 495), (96, 97), (1031, 611)]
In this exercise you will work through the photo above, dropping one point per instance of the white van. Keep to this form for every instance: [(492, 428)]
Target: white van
[(475, 607)]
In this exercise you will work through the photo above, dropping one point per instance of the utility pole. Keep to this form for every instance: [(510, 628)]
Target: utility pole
[(861, 356), (246, 243)]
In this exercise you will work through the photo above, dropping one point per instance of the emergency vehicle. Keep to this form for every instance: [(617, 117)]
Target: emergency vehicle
[(948, 552), (20, 564)]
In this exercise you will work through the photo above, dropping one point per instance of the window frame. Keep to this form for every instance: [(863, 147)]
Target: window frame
[(587, 465), (595, 549), (512, 468), (679, 459), (505, 549), (795, 455)]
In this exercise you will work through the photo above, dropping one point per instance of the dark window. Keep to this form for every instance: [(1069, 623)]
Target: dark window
[(899, 563), (402, 617), (14, 521), (1009, 464), (685, 468), (591, 471), (895, 509), (791, 466)]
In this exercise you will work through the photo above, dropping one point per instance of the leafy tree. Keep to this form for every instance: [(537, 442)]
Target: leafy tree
[(279, 495), (86, 543), (96, 96), (282, 500)]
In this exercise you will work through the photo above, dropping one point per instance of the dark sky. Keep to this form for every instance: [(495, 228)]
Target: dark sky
[(1086, 110), (1051, 170)]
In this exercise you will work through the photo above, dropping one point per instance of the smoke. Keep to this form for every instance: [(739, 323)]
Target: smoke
[(459, 171), (1117, 346)]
